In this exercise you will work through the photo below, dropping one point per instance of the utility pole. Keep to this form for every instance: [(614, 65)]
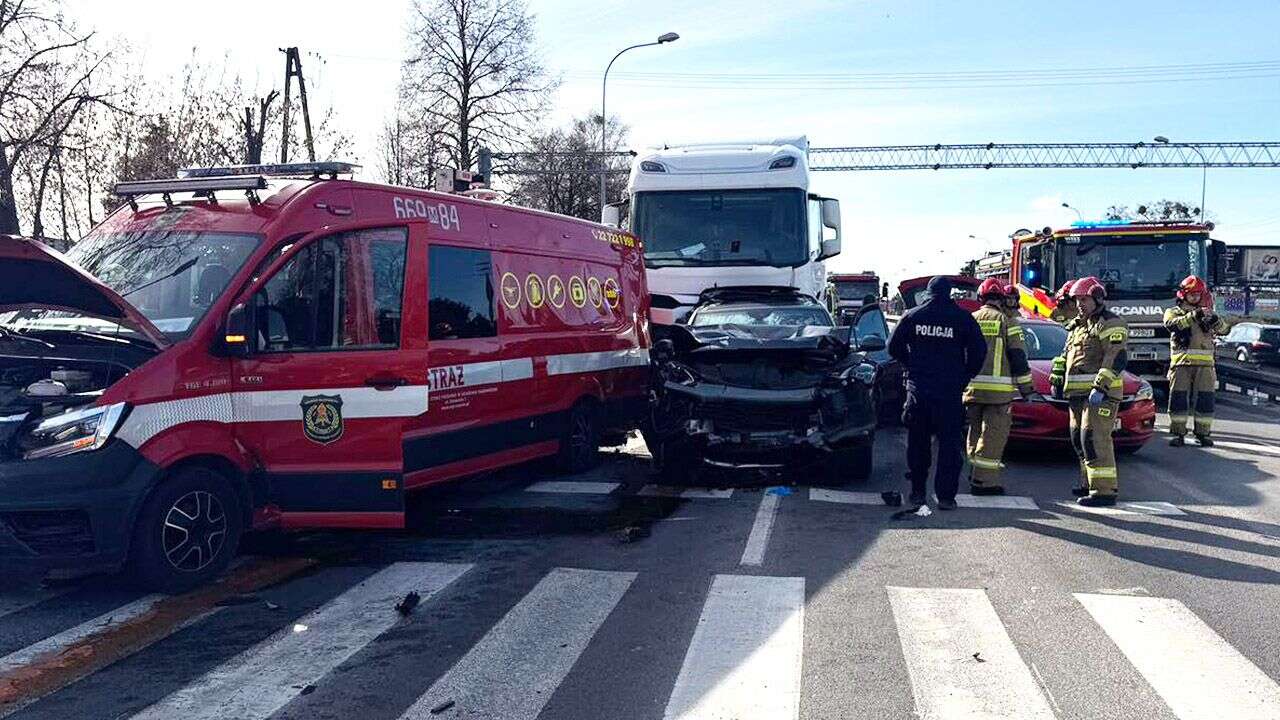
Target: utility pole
[(292, 69)]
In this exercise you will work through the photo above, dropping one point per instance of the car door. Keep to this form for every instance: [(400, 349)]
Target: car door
[(324, 392)]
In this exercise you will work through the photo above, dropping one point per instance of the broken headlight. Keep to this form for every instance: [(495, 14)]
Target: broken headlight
[(863, 372), (72, 432)]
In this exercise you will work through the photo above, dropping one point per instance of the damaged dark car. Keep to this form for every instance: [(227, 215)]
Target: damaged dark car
[(762, 379)]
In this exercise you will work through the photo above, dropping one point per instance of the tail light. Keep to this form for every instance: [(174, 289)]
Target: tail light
[(1260, 345)]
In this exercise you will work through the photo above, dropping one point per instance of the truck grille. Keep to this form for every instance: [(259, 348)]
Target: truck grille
[(756, 417)]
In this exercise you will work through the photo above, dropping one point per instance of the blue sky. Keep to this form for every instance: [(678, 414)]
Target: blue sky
[(902, 223)]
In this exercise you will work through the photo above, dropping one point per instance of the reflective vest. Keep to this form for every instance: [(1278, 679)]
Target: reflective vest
[(1004, 371), (1191, 338), (1096, 355)]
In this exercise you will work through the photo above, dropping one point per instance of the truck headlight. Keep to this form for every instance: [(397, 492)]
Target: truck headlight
[(72, 432), (1144, 391)]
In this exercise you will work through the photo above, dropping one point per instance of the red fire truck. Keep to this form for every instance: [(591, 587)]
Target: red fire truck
[(274, 346), (849, 291)]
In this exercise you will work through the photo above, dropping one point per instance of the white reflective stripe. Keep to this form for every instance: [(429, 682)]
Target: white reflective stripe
[(266, 677), (997, 379), (596, 361), (744, 661), (146, 421), (514, 670), (940, 630), (489, 372), (517, 369), (1199, 675)]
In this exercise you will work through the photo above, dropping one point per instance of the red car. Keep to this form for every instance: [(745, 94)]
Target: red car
[(913, 292), (1045, 420)]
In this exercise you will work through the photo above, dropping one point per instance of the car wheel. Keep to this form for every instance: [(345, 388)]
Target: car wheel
[(1242, 355), (580, 441), (852, 463), (187, 531)]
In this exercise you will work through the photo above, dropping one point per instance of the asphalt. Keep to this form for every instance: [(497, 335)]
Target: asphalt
[(657, 641)]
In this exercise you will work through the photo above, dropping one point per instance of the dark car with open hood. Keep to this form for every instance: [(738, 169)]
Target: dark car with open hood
[(760, 378)]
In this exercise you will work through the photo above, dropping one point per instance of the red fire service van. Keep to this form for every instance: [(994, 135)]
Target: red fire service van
[(272, 346)]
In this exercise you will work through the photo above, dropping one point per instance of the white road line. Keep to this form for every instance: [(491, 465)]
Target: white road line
[(57, 643), (997, 502), (1197, 673), (845, 496), (686, 492), (744, 661), (18, 599), (761, 529), (266, 677), (573, 487), (961, 660), (1145, 507), (513, 671), (1251, 447)]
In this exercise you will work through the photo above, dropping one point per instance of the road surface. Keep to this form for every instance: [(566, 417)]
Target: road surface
[(607, 596)]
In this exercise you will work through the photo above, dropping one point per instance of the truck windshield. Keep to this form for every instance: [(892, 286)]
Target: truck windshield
[(170, 276), (856, 290), (722, 227), (1134, 268)]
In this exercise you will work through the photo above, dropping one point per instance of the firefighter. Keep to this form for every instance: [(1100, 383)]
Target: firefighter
[(1066, 313), (1096, 356), (1192, 325), (1004, 376), (1064, 309), (942, 349), (1012, 301)]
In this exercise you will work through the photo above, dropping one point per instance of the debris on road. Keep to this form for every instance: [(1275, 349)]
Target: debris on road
[(442, 707), (922, 511), (307, 689), (978, 656), (779, 490), (631, 533), (410, 601)]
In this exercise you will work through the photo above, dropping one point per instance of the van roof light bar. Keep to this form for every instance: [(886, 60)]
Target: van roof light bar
[(130, 189), (307, 169)]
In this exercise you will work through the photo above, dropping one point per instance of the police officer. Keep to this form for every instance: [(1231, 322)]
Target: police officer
[(1004, 375), (1192, 325), (1096, 356), (942, 348)]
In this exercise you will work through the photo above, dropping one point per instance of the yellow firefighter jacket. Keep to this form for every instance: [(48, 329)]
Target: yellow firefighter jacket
[(1096, 355), (1191, 332), (1005, 372)]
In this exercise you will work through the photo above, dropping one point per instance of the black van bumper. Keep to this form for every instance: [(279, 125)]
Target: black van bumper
[(71, 513)]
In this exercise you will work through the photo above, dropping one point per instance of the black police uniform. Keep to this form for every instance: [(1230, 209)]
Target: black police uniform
[(942, 348)]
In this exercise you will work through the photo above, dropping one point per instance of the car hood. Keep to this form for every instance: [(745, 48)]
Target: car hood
[(814, 341), (34, 275), (1040, 370)]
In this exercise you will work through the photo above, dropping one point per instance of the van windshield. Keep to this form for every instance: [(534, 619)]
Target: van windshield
[(170, 276), (722, 227)]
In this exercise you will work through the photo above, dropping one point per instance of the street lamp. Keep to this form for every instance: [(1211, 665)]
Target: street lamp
[(604, 115), (1074, 210), (1204, 169)]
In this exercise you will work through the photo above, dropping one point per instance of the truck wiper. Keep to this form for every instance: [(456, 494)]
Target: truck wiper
[(185, 266)]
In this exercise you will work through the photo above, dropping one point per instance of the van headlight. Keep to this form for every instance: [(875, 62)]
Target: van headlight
[(1144, 391), (72, 432)]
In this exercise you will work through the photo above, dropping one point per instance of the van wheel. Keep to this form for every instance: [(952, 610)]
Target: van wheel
[(187, 531), (580, 443)]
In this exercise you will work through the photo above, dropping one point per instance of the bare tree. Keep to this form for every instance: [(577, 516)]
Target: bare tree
[(47, 73), (474, 73), (1161, 210), (566, 164)]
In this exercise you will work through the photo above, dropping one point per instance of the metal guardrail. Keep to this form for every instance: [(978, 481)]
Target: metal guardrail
[(1248, 377)]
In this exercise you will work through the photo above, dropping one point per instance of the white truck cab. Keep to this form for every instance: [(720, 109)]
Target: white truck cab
[(722, 214)]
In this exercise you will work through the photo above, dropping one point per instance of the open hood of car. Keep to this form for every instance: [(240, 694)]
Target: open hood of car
[(34, 275)]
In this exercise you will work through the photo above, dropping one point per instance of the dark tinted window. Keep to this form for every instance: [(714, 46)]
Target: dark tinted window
[(461, 294), (1044, 341), (339, 293), (1271, 335)]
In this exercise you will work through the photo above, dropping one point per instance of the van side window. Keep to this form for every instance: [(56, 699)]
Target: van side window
[(460, 291), (339, 293)]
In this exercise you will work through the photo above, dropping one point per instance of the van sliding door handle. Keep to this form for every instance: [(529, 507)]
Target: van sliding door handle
[(385, 382)]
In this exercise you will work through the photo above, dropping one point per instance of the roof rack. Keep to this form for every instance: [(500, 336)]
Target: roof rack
[(131, 189), (311, 169)]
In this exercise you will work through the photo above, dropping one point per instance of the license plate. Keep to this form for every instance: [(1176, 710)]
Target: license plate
[(1140, 355), (1142, 332)]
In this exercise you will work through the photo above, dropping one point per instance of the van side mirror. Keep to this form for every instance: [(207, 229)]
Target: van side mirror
[(237, 331), (830, 219), (611, 215)]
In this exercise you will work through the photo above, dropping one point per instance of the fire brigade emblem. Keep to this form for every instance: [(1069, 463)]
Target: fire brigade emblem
[(322, 418)]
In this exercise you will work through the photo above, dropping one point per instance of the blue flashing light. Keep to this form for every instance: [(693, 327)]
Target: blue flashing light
[(1099, 223)]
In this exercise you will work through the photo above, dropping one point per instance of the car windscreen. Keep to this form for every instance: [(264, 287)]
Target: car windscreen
[(761, 315), (1133, 269), (722, 227), (170, 276), (1045, 341), (959, 292), (856, 290)]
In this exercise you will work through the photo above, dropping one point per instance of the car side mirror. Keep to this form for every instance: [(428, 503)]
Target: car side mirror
[(663, 350), (871, 343), (237, 331)]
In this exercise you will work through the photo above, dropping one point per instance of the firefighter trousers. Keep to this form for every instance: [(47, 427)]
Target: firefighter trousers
[(1091, 437), (1191, 392), (988, 434)]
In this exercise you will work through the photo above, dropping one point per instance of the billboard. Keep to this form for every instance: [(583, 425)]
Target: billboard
[(1251, 265)]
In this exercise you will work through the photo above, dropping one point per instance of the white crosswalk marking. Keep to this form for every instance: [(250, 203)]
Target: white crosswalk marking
[(990, 502), (685, 492), (513, 671), (744, 661), (65, 639), (1145, 507), (1197, 673), (573, 487), (761, 529), (264, 678), (848, 497), (961, 660)]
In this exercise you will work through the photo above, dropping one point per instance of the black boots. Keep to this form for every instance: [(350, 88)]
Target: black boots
[(1097, 500), (985, 489), (1177, 441)]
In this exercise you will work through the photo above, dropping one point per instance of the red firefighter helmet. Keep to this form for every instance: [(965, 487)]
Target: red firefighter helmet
[(990, 288), (1089, 287), (1064, 292), (1010, 291), (1192, 285)]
